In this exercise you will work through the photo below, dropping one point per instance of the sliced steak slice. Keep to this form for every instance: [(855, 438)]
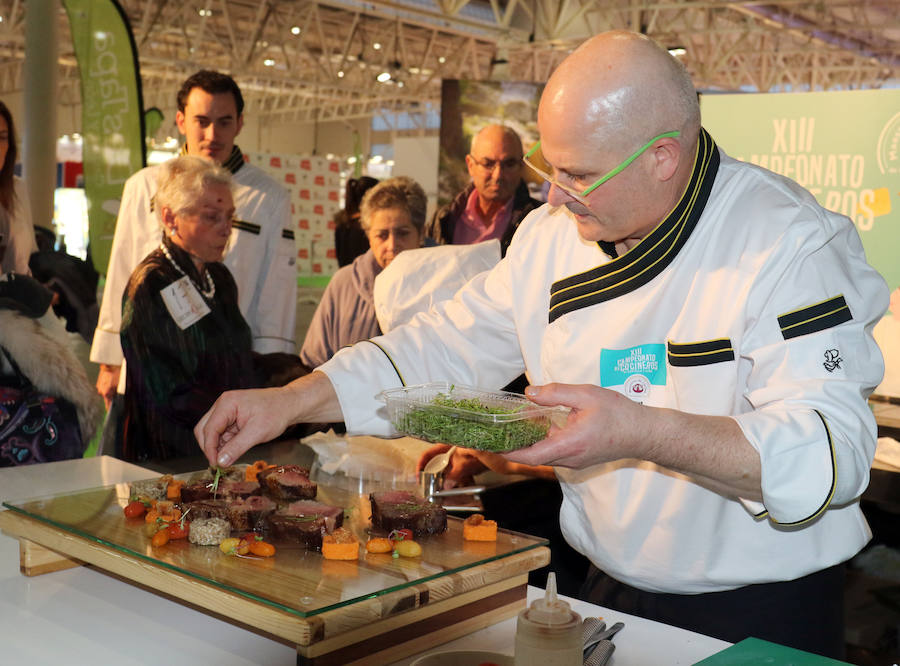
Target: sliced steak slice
[(305, 530), (238, 489), (333, 515), (287, 482), (250, 513), (208, 508), (396, 510), (196, 492), (305, 522)]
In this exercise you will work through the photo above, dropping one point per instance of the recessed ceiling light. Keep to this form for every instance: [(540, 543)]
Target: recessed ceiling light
[(295, 30), (268, 62), (384, 77), (376, 46), (442, 59), (340, 74)]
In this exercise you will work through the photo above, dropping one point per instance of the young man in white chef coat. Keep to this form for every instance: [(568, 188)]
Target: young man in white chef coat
[(260, 253), (709, 325)]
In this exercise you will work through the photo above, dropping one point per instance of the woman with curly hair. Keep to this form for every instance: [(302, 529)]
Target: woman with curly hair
[(393, 216)]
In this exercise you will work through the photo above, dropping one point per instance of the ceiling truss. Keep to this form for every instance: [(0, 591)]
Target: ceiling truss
[(317, 60)]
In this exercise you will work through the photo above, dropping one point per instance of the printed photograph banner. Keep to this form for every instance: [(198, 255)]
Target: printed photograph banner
[(112, 114), (842, 146)]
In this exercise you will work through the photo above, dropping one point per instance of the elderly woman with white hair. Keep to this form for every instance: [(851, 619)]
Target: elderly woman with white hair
[(183, 335), (392, 214)]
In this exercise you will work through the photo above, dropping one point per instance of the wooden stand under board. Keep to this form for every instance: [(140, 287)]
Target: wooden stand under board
[(371, 631)]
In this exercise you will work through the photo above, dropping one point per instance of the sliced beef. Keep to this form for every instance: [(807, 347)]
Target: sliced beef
[(396, 510), (207, 508), (195, 492), (305, 530), (242, 489), (287, 482), (333, 515), (305, 522), (250, 513)]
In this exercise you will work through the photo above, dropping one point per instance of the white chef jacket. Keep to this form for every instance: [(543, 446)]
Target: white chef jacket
[(748, 300), (417, 279), (260, 256)]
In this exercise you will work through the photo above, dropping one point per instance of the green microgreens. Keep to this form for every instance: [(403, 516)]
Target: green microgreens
[(440, 422), (180, 521)]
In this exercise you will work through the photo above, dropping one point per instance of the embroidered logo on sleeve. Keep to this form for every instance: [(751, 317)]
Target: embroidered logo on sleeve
[(833, 360)]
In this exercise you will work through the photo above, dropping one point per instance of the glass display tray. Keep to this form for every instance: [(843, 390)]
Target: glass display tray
[(295, 580)]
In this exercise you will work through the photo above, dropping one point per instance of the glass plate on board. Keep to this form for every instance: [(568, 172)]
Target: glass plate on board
[(295, 580)]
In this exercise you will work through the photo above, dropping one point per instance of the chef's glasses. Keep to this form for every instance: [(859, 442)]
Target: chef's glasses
[(580, 195)]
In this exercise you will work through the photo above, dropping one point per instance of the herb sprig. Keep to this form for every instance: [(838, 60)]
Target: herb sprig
[(214, 486)]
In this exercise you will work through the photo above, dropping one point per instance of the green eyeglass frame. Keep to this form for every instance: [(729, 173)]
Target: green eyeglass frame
[(581, 195)]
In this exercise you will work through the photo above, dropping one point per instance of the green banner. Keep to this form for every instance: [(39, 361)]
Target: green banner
[(843, 146), (112, 113)]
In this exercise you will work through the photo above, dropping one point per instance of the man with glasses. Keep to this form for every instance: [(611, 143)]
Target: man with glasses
[(497, 199), (708, 324)]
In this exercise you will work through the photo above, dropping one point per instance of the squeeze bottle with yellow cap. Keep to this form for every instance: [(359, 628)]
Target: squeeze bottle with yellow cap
[(548, 633)]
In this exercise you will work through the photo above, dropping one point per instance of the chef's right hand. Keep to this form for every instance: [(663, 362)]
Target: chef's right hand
[(107, 382), (239, 420)]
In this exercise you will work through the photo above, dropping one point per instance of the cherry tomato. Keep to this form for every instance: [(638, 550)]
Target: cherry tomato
[(134, 509), (401, 535), (161, 538), (179, 529), (262, 549)]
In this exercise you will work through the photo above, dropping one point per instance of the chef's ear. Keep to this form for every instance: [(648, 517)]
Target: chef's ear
[(666, 153)]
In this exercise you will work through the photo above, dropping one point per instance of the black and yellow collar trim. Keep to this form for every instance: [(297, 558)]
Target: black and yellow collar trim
[(652, 254), (234, 162)]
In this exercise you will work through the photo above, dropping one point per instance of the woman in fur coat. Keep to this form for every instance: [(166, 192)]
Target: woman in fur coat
[(34, 340)]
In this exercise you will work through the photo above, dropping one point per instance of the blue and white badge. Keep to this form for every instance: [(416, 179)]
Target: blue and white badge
[(633, 371)]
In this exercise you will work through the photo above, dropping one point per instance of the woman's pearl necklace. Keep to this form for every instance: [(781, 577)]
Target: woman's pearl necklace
[(208, 293)]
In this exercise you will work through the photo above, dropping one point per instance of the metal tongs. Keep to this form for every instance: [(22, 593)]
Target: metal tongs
[(598, 646)]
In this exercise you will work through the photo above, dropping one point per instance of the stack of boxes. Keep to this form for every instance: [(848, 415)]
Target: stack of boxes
[(316, 186)]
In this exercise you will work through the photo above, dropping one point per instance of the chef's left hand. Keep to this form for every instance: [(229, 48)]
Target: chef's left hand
[(602, 426)]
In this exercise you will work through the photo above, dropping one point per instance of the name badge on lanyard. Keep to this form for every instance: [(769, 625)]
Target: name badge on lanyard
[(184, 303)]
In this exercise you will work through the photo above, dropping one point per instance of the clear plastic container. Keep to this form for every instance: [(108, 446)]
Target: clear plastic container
[(469, 417)]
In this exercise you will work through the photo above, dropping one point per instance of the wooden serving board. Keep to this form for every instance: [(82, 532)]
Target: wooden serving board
[(370, 611)]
